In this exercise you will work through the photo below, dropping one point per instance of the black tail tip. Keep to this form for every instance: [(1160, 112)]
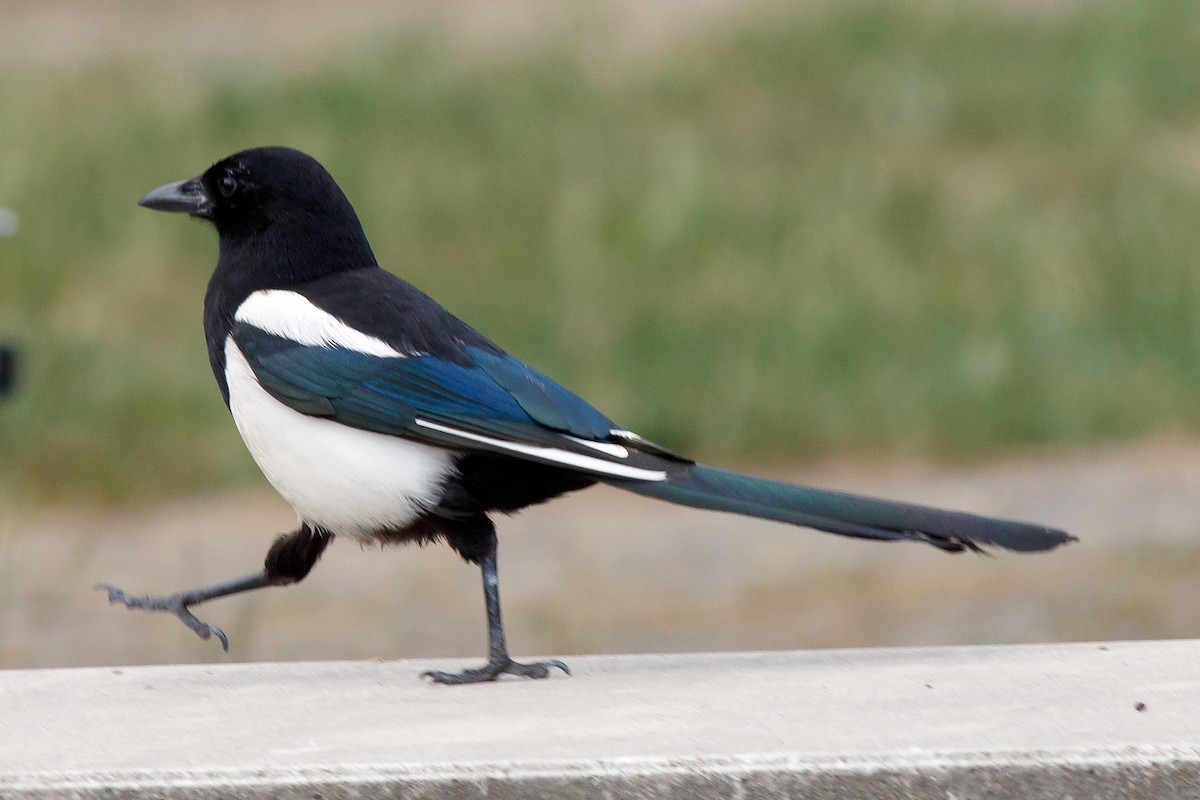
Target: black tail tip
[(1039, 541)]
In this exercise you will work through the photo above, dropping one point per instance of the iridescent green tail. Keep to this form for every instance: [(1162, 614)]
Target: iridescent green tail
[(717, 489)]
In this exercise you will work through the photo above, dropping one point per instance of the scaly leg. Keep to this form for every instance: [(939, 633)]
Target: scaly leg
[(289, 560), (499, 662), (179, 603)]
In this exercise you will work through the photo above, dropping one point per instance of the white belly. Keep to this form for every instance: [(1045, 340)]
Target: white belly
[(346, 480)]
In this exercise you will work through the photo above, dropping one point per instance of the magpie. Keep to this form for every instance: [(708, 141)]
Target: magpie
[(380, 416)]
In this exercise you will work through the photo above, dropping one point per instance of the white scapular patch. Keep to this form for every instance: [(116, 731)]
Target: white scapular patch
[(348, 481), (293, 316), (564, 457)]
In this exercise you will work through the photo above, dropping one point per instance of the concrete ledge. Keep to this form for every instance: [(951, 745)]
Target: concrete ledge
[(1118, 720)]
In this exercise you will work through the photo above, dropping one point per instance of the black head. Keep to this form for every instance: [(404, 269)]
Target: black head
[(273, 195), (250, 190)]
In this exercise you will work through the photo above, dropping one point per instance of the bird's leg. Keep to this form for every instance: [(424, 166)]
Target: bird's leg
[(179, 603), (499, 662), (288, 561)]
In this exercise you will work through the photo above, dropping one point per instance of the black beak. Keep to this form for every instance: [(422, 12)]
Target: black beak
[(182, 197)]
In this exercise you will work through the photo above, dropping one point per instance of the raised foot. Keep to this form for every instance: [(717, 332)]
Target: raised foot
[(176, 604), (494, 669)]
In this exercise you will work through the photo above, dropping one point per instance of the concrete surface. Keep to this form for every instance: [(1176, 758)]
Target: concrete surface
[(1095, 721)]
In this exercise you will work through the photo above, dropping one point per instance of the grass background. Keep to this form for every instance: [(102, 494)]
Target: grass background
[(933, 228)]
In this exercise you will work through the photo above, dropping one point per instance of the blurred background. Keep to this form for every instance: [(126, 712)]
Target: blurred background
[(944, 251)]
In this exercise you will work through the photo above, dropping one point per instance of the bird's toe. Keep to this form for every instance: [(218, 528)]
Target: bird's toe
[(535, 670)]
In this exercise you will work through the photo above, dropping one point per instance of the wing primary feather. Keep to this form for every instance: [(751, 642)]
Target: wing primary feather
[(567, 458)]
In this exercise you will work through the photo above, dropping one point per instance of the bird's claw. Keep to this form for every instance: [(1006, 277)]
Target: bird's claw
[(174, 603), (494, 669), (202, 629)]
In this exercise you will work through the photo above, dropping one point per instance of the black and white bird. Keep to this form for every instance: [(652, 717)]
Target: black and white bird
[(380, 416)]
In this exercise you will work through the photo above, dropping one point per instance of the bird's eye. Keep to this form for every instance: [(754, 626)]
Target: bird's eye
[(228, 185)]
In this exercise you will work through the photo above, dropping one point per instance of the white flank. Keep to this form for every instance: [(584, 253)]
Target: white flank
[(294, 317), (346, 480), (565, 457)]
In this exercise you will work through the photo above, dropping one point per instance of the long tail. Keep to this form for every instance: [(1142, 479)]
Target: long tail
[(702, 486)]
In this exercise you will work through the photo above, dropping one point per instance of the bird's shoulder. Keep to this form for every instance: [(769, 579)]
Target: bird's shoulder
[(390, 309)]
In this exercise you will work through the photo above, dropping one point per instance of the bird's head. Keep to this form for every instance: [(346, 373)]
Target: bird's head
[(274, 193), (250, 190)]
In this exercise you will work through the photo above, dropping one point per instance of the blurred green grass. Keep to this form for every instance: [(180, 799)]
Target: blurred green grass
[(935, 228)]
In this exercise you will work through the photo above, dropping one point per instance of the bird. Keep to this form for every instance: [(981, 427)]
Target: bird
[(382, 417)]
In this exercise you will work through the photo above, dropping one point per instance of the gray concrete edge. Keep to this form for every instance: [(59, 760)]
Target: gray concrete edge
[(1101, 772)]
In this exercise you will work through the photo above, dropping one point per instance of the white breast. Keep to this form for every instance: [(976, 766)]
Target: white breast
[(346, 480)]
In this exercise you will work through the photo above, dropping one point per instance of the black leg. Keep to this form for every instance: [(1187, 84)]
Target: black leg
[(499, 662), (178, 603), (289, 560)]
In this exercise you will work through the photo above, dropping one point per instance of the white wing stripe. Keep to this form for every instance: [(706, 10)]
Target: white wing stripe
[(294, 317), (614, 450), (566, 457)]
